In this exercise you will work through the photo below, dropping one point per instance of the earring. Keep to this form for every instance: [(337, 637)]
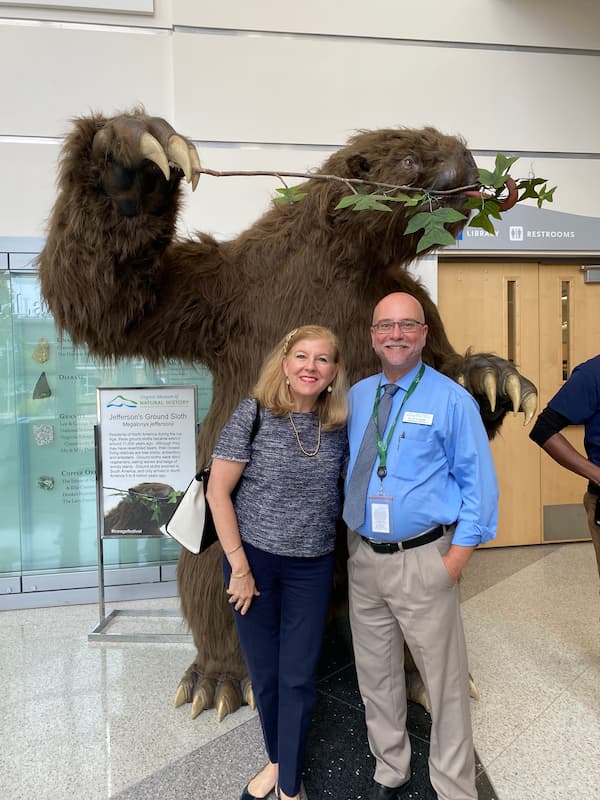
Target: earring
[(329, 389), (287, 381)]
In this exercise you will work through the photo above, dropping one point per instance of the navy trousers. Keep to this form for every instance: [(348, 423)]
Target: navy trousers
[(281, 638)]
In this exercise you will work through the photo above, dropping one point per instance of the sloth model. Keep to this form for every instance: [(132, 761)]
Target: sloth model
[(118, 280)]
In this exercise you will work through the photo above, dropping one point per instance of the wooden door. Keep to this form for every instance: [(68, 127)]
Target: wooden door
[(493, 307), (545, 319), (569, 334)]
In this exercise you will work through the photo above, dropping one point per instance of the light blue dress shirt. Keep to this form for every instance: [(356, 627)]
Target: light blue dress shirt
[(437, 473)]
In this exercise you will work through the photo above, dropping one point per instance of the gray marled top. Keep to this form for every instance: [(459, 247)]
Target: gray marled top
[(286, 502)]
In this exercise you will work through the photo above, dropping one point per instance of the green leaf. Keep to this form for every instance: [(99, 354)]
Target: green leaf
[(447, 215), (364, 202), (404, 198), (374, 206), (486, 177), (530, 188), (434, 235), (546, 196), (504, 163), (491, 208), (420, 220), (290, 194), (348, 200), (370, 203), (482, 221)]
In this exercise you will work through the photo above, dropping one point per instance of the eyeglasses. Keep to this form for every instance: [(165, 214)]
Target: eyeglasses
[(405, 325)]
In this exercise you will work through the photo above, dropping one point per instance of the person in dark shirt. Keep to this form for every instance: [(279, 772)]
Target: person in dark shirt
[(577, 402)]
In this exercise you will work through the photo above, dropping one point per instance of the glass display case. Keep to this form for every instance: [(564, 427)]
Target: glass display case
[(47, 417)]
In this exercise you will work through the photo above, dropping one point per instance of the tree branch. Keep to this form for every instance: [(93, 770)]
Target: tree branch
[(350, 182)]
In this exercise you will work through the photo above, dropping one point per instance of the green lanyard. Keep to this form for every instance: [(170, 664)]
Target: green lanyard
[(382, 448)]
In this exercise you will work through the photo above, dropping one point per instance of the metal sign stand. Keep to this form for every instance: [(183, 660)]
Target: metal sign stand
[(100, 632)]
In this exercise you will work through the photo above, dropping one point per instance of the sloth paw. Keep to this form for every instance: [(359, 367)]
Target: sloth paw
[(416, 691), (204, 692)]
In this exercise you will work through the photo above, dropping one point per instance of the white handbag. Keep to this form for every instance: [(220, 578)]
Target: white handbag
[(191, 524)]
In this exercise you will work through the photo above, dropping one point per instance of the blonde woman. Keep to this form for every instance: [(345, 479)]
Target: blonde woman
[(277, 530)]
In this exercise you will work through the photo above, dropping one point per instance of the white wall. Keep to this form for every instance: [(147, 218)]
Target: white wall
[(276, 84)]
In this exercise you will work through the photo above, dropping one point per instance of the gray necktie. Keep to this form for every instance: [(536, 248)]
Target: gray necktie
[(356, 495)]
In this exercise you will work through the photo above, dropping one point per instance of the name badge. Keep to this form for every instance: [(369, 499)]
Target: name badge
[(418, 417), (381, 517)]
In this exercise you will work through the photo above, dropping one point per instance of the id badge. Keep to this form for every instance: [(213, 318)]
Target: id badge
[(381, 514)]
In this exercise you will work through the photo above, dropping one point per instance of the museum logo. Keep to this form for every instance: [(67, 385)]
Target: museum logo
[(121, 402)]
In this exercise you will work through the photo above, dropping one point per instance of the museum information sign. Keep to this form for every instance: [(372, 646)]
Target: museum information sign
[(147, 456)]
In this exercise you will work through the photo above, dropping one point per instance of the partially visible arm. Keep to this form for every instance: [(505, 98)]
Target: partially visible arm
[(472, 467), (224, 477), (546, 434), (563, 452), (112, 271)]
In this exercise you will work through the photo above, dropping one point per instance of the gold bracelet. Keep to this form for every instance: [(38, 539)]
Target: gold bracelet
[(241, 574), (235, 549)]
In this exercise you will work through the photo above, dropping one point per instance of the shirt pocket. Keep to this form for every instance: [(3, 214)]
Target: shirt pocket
[(412, 449)]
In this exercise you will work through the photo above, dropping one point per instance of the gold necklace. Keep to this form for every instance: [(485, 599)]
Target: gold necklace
[(306, 453)]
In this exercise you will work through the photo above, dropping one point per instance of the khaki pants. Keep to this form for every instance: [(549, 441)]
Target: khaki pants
[(409, 596), (589, 501)]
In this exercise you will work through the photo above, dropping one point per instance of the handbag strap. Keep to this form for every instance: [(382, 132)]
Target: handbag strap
[(203, 474), (256, 423)]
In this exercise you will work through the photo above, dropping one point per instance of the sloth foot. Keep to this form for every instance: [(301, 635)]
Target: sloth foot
[(415, 690), (204, 692)]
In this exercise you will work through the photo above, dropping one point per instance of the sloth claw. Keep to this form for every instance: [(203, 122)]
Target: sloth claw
[(228, 698), (204, 696), (150, 148), (248, 693), (473, 690), (489, 385), (513, 390), (529, 406), (185, 690)]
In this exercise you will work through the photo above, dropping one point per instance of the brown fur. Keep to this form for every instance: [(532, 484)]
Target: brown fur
[(118, 281)]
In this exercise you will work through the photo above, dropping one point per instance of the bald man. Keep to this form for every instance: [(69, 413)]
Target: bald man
[(421, 494)]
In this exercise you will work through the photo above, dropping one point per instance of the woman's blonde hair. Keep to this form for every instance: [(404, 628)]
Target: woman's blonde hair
[(272, 391)]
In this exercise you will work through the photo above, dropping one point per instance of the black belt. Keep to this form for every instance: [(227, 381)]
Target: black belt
[(406, 544)]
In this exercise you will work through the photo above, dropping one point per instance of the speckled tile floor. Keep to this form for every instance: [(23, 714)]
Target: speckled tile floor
[(95, 720)]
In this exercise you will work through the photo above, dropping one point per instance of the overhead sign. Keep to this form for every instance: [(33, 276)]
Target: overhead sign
[(527, 228)]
